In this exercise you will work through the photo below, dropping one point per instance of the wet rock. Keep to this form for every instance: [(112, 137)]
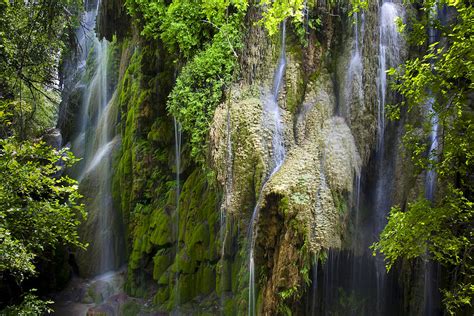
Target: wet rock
[(341, 159), (298, 214), (53, 138)]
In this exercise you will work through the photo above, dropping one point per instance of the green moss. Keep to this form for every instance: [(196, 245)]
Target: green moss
[(161, 228), (199, 241), (162, 296), (161, 262), (144, 187), (340, 202), (186, 288), (131, 308), (284, 204), (205, 280), (164, 279), (200, 87), (226, 280), (183, 263), (295, 95), (229, 307), (113, 63)]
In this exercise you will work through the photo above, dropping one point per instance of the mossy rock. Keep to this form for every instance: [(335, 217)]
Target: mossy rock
[(186, 288), (199, 241), (99, 291), (224, 277), (161, 228), (206, 280), (162, 296), (130, 308), (183, 263), (294, 83), (161, 262), (230, 307), (141, 243), (164, 278)]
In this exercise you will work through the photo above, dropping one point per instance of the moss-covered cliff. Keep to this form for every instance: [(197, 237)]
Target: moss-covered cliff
[(187, 223), (195, 255)]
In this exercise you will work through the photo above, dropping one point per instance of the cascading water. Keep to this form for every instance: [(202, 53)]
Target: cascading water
[(229, 179), (389, 47), (353, 83), (225, 206), (177, 157), (389, 56), (272, 117), (430, 181), (353, 92), (433, 117), (354, 282), (272, 110), (431, 270), (95, 143)]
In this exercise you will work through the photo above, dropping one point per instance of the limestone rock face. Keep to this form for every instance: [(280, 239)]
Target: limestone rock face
[(330, 109), (298, 214), (242, 165), (341, 158)]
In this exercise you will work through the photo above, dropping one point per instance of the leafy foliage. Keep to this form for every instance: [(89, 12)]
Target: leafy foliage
[(358, 5), (38, 209), (280, 10), (205, 36), (30, 306), (443, 79), (32, 37), (200, 86), (185, 20), (180, 24)]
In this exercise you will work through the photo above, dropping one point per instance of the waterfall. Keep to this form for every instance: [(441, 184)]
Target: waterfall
[(271, 111), (177, 161), (177, 158), (430, 182), (226, 205), (354, 282), (430, 269), (354, 81), (353, 91), (389, 47), (433, 117), (314, 285), (389, 56), (95, 142), (229, 179), (356, 207)]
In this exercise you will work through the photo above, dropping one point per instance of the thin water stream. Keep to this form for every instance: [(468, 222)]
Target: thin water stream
[(389, 56), (177, 157), (273, 118), (431, 270)]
